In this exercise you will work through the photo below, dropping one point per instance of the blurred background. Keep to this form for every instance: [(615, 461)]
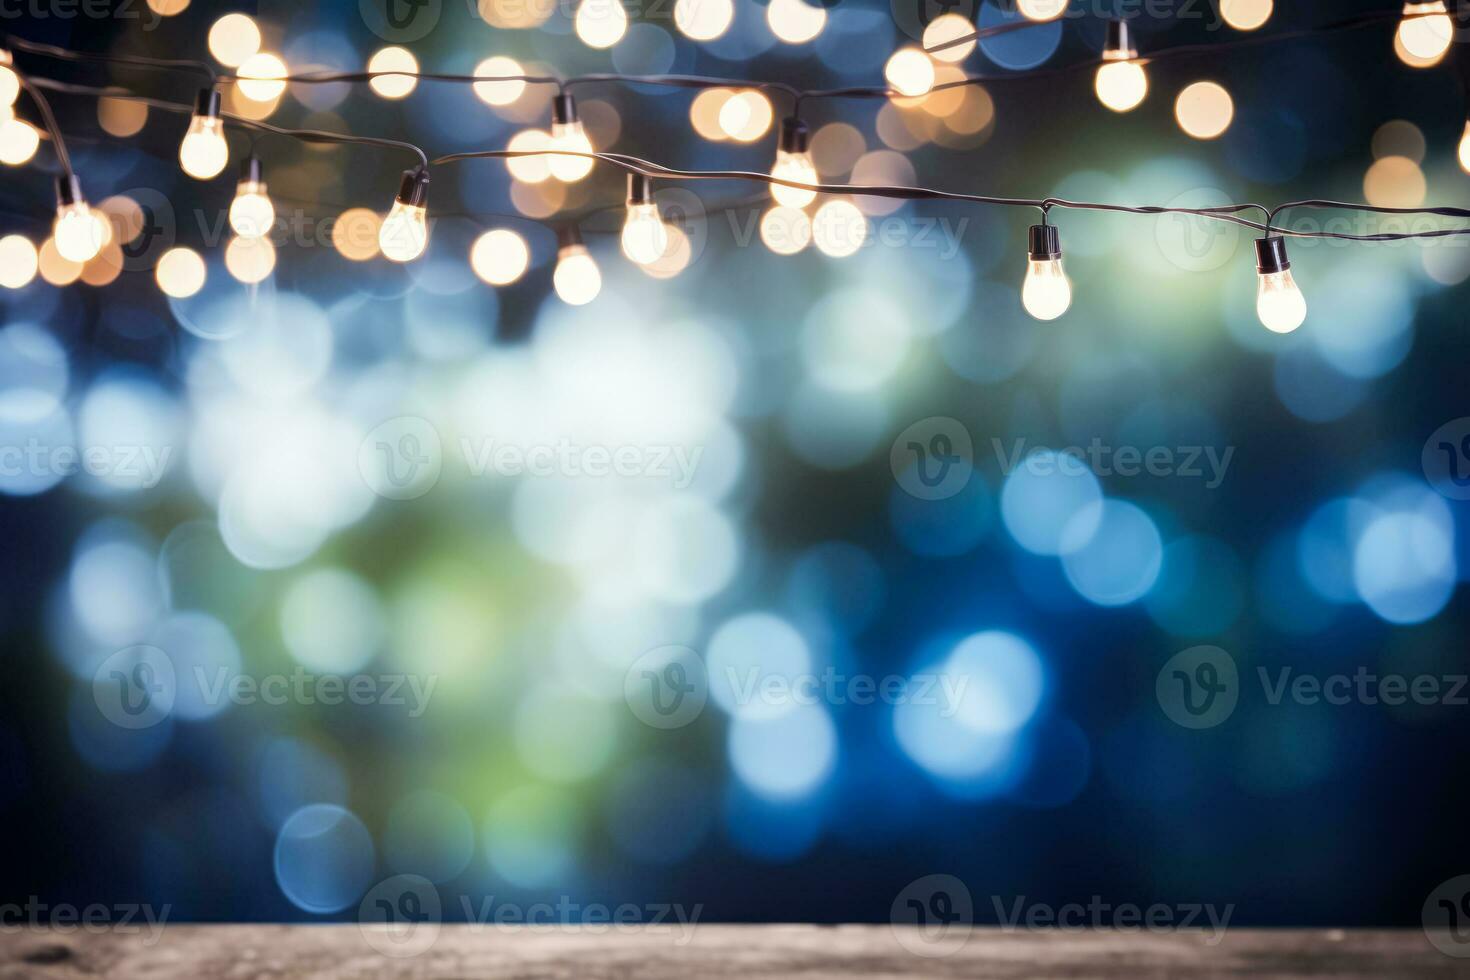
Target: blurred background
[(291, 471)]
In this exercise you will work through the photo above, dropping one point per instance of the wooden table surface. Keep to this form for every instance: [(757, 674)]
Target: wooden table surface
[(808, 952)]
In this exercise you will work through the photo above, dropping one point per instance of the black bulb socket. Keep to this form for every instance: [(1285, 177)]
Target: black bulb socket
[(68, 190), (640, 189), (1271, 255), (206, 103), (563, 108), (413, 189), (1120, 40), (568, 236), (251, 170), (795, 136), (1046, 243)]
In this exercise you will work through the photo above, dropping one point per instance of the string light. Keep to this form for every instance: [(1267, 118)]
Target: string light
[(1465, 149), (1046, 292), (250, 260), (499, 93), (1424, 33), (785, 230), (500, 257), (644, 239), (251, 212), (203, 152), (794, 162), (600, 23), (405, 232), (18, 261), (79, 234), (233, 38), (839, 228), (261, 77), (568, 136), (1121, 83), (1041, 10), (703, 20), (577, 279), (180, 272), (1246, 15), (945, 28), (795, 21), (1279, 303), (1204, 110), (403, 66), (910, 72), (19, 141), (9, 80)]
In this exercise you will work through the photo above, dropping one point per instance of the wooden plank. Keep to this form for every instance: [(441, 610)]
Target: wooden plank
[(340, 952)]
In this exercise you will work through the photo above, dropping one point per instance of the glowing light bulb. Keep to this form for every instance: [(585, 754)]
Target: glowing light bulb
[(600, 23), (251, 212), (500, 257), (9, 80), (794, 162), (910, 72), (1279, 303), (645, 239), (1047, 292), (261, 77), (405, 232), (18, 141), (795, 21), (568, 135), (703, 20), (233, 38), (1465, 149), (204, 152), (180, 272), (1425, 33), (393, 60), (946, 28), (1246, 15), (79, 234), (1121, 83), (1041, 10), (18, 261), (577, 279), (499, 93), (250, 260), (786, 231)]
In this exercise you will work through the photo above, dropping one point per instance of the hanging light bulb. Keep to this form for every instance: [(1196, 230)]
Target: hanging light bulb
[(645, 239), (251, 212), (567, 134), (576, 279), (79, 234), (204, 152), (1121, 83), (1047, 292), (9, 80), (405, 232), (1424, 33), (794, 162), (1279, 303), (1465, 149)]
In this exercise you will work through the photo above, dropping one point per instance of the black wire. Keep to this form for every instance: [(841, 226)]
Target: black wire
[(33, 89), (129, 61)]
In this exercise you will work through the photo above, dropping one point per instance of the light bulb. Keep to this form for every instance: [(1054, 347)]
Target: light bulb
[(1121, 83), (909, 72), (600, 23), (794, 162), (18, 141), (1279, 303), (261, 77), (577, 279), (250, 260), (1047, 292), (204, 152), (568, 135), (1041, 10), (1425, 33), (251, 212), (786, 231), (405, 232), (645, 239), (79, 234), (18, 261), (1465, 149), (795, 21), (9, 80), (180, 272)]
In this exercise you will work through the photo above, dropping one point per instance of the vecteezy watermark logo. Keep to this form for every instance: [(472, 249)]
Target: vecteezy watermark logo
[(126, 918), (912, 16), (933, 459), (1446, 459), (666, 687), (1446, 917), (400, 21), (401, 916), (1198, 687), (1197, 242), (933, 916), (135, 687), (401, 459), (1123, 917), (37, 10)]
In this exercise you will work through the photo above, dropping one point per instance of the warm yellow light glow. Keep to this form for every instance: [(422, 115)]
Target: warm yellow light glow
[(1465, 149), (1121, 85), (355, 234), (948, 27), (577, 279), (1041, 9), (1204, 110), (1047, 292), (703, 20), (677, 255), (404, 233), (18, 261), (786, 231), (233, 38), (601, 23), (499, 93), (795, 21), (529, 169), (839, 228), (9, 81), (180, 272), (121, 119), (79, 233), (393, 60), (1395, 182), (250, 260), (644, 237), (1279, 303), (53, 268), (260, 77), (1425, 33), (203, 152), (251, 212), (500, 257), (570, 137), (18, 141), (909, 72), (168, 8), (1246, 15), (745, 116), (798, 167)]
